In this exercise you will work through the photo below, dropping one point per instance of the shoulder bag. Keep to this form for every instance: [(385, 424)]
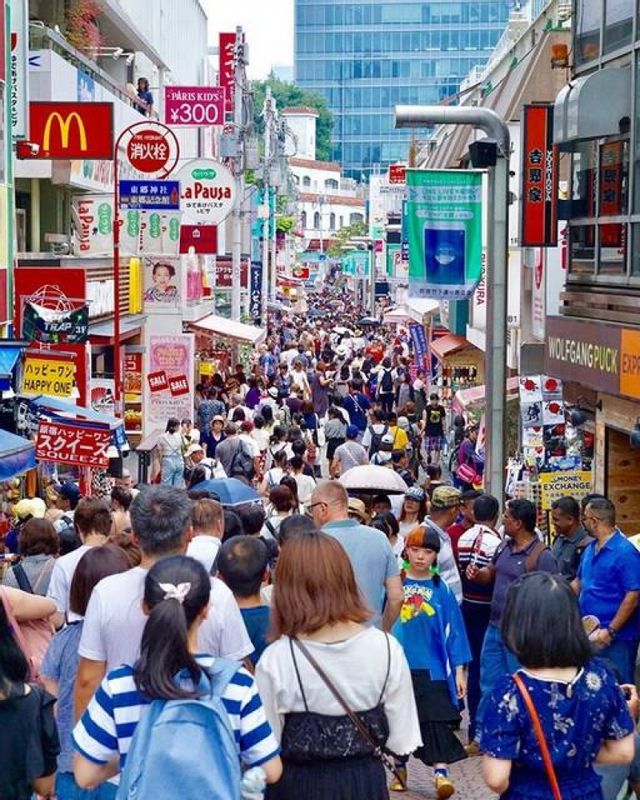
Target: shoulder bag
[(542, 742), (378, 751), (32, 637)]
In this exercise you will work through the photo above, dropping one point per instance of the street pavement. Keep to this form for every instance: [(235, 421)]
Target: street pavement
[(465, 775)]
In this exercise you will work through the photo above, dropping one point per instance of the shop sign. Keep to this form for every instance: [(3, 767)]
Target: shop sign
[(444, 223), (92, 227), (630, 363), (53, 290), (40, 324), (80, 446), (584, 353), (194, 105), (149, 150), (71, 130), (178, 385), (170, 367), (133, 392), (202, 238), (255, 292), (224, 273), (207, 191), (226, 67), (398, 174), (419, 339), (3, 40), (150, 195), (157, 381), (48, 376), (103, 394), (567, 483), (539, 206), (19, 68)]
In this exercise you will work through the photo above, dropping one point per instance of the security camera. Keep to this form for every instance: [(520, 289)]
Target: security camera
[(34, 148), (117, 53)]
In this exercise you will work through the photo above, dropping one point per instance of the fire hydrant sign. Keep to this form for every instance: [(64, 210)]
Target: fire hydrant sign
[(70, 444), (207, 191), (48, 376), (194, 105)]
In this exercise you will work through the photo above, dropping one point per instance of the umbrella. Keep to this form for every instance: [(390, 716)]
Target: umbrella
[(368, 321), (371, 479), (231, 491)]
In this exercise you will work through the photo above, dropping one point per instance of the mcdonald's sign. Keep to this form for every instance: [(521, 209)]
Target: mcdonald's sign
[(71, 130)]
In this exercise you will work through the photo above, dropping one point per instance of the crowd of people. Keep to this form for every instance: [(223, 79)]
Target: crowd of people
[(310, 642)]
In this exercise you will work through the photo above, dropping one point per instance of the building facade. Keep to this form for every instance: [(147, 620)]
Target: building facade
[(365, 58)]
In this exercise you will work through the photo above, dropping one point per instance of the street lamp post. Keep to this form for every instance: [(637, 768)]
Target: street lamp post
[(497, 275)]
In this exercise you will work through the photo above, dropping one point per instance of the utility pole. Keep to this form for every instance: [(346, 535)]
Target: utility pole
[(497, 273), (238, 170), (269, 118)]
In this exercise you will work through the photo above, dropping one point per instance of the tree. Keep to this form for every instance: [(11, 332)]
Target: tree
[(343, 235), (289, 94)]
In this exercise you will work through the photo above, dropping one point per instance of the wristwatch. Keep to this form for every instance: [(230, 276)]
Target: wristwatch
[(612, 632)]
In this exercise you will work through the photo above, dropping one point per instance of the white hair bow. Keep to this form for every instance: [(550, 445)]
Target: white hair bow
[(172, 592)]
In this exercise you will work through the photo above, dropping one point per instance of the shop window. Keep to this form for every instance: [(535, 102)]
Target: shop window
[(582, 241), (588, 17), (583, 181), (614, 178), (618, 24), (613, 249), (635, 250)]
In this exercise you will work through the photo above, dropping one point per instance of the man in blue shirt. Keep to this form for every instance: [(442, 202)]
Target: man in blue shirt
[(357, 405), (608, 587)]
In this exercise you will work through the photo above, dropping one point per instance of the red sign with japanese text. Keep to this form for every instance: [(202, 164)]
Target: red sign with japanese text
[(224, 273), (157, 381), (226, 55), (397, 173), (178, 385), (539, 219), (70, 444), (148, 151), (203, 239), (71, 130)]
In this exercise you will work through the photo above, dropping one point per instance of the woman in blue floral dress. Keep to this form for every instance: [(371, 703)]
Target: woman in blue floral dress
[(582, 710)]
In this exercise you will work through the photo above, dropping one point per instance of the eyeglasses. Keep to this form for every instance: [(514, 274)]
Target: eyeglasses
[(310, 506)]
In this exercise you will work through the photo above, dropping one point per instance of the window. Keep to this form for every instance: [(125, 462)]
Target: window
[(303, 220), (618, 24), (331, 183), (587, 31), (583, 176), (332, 221), (354, 218), (316, 221), (614, 178), (306, 181), (582, 249), (613, 249)]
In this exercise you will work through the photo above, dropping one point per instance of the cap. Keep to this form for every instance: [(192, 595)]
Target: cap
[(424, 536), (218, 418), (273, 392), (358, 509), (34, 507), (387, 441), (445, 497), (68, 490), (194, 448), (415, 493), (403, 423), (352, 431)]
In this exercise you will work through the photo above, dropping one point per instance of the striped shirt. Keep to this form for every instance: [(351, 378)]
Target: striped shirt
[(106, 728), (477, 546)]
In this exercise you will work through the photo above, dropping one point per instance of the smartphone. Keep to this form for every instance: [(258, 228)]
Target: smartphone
[(444, 252)]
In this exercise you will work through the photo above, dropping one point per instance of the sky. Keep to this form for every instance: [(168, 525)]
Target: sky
[(268, 25)]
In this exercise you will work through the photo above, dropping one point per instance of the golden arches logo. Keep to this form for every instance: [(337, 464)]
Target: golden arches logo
[(64, 126)]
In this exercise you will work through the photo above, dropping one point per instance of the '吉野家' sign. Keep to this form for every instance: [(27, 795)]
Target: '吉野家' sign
[(539, 207), (53, 377)]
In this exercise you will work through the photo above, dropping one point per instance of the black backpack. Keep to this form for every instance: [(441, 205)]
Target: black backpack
[(386, 382), (242, 464), (376, 439)]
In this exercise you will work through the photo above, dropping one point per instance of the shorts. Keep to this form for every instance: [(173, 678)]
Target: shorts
[(433, 443)]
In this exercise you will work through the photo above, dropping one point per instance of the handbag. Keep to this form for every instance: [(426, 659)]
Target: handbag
[(32, 637), (467, 474), (542, 742), (378, 751)]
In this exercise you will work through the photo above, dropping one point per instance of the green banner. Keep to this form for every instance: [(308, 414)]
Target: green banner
[(356, 263), (444, 211)]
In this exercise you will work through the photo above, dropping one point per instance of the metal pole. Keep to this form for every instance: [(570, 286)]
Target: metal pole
[(117, 366), (372, 279), (497, 274), (266, 205), (236, 247)]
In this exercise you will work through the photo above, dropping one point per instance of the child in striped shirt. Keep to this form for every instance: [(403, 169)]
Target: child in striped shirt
[(176, 597)]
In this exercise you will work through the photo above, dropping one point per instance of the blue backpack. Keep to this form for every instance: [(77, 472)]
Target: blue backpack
[(185, 748)]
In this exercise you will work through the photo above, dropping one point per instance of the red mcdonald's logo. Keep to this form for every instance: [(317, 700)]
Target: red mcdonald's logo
[(72, 130)]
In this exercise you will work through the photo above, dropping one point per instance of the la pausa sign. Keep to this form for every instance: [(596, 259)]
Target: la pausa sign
[(207, 191)]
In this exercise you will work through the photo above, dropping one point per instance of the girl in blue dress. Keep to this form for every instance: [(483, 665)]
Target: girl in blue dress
[(583, 712), (431, 631)]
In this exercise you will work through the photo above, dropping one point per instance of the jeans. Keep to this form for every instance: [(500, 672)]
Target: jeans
[(621, 656), (68, 789), (386, 401), (173, 471), (476, 620), (614, 776), (496, 661)]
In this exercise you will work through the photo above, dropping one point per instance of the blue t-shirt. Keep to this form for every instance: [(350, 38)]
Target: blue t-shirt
[(575, 717), (605, 577), (256, 621), (357, 405), (60, 664)]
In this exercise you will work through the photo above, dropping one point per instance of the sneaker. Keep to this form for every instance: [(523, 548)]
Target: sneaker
[(396, 785), (473, 749), (444, 787)]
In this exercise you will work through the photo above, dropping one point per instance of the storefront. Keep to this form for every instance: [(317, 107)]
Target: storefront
[(215, 338), (460, 365)]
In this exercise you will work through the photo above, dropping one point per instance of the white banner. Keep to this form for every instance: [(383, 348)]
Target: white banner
[(19, 69)]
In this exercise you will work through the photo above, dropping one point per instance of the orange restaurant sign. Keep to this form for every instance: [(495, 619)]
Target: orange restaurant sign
[(71, 130), (630, 363)]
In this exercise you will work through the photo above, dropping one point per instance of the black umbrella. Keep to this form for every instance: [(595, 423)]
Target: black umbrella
[(368, 321)]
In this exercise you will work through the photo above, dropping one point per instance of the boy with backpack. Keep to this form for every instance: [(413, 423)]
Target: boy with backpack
[(385, 391)]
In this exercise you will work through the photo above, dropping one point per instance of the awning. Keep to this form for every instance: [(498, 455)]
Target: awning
[(464, 398), (423, 305), (402, 316), (17, 455), (104, 332), (8, 357), (445, 345), (63, 408), (230, 329)]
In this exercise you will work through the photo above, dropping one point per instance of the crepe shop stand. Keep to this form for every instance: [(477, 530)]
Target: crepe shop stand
[(216, 339)]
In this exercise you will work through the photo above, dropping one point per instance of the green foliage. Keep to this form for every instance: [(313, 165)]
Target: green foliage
[(342, 236), (285, 224), (289, 94)]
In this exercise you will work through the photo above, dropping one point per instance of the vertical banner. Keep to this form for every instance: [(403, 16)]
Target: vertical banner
[(539, 207), (19, 68), (255, 292), (133, 392), (169, 379), (226, 64), (420, 347), (444, 226)]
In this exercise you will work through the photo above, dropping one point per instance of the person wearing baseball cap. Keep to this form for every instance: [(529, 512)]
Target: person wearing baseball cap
[(199, 468), (67, 498), (445, 504), (348, 455)]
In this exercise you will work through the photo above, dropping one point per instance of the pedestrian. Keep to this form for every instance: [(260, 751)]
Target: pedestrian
[(413, 510), (385, 391), (436, 415), (374, 564), (469, 464), (466, 519), (172, 667), (571, 538), (348, 455), (444, 508), (400, 465), (171, 458), (581, 712), (273, 476), (357, 406), (67, 495), (432, 634), (520, 552), (321, 639), (207, 523), (213, 436), (144, 98), (237, 457), (121, 499), (305, 483), (38, 547), (608, 586), (282, 503)]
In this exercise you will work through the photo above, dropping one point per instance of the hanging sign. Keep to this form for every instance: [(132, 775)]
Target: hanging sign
[(566, 483), (80, 446), (50, 326), (19, 16), (255, 292), (207, 191), (226, 66), (444, 227), (71, 130), (48, 376), (194, 105), (539, 207), (150, 195)]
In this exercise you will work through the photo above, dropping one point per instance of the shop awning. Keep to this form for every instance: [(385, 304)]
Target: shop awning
[(104, 332), (8, 356), (17, 455), (404, 315), (464, 398), (423, 305), (230, 329), (445, 345), (65, 409)]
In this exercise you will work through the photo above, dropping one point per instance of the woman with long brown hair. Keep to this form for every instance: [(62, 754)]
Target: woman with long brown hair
[(319, 624)]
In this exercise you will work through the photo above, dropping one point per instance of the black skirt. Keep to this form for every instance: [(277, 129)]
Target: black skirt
[(337, 779), (438, 718)]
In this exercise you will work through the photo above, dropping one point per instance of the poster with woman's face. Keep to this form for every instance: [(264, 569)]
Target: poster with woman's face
[(162, 283)]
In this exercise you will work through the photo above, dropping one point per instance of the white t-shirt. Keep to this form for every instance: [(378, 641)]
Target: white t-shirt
[(62, 575), (261, 437), (251, 444), (357, 666), (306, 485), (114, 622), (204, 548)]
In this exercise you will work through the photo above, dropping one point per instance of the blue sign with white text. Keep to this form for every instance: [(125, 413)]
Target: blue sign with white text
[(150, 195)]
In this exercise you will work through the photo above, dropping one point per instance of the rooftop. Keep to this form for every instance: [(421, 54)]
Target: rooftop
[(310, 163), (301, 110)]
